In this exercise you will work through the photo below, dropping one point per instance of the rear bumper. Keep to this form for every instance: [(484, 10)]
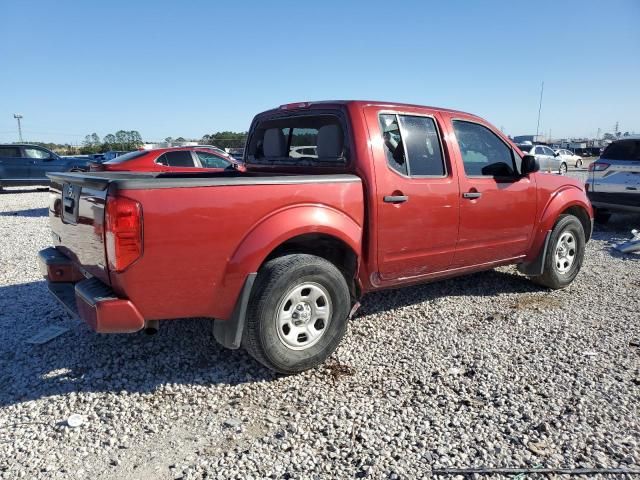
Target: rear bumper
[(88, 298), (616, 202)]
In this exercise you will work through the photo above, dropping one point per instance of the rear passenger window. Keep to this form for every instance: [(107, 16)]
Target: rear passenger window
[(483, 153), (11, 152), (412, 145), (181, 158), (209, 160)]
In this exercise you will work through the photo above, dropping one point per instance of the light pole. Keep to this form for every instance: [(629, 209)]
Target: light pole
[(539, 108), (17, 116)]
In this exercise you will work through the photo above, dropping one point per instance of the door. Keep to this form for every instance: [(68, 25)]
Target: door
[(12, 165), (543, 158), (417, 195), (498, 205), (42, 161)]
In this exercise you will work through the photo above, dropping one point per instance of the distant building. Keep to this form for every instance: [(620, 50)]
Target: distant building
[(529, 138)]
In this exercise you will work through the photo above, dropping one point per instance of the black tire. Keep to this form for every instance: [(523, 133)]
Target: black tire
[(553, 277), (563, 168), (275, 281), (578, 163), (601, 216)]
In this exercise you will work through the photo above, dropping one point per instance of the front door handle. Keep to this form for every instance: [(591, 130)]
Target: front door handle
[(472, 195), (395, 198)]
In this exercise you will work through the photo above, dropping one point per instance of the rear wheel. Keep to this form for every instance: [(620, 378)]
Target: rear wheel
[(565, 253), (563, 168), (297, 314)]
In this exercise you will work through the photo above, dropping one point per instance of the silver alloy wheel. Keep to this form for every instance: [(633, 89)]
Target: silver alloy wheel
[(563, 168), (565, 253), (303, 315)]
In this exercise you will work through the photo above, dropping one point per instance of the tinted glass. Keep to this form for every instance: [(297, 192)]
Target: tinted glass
[(483, 153), (623, 150), (12, 152), (525, 148), (127, 156), (36, 153), (422, 145), (181, 158), (393, 147), (209, 160), (294, 140)]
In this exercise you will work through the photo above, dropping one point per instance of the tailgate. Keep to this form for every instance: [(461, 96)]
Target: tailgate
[(76, 214), (622, 176)]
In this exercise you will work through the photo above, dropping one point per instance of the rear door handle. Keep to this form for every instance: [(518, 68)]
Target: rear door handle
[(395, 198), (472, 194)]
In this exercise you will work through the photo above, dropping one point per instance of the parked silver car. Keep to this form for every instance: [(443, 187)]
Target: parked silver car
[(568, 157), (549, 160), (613, 184)]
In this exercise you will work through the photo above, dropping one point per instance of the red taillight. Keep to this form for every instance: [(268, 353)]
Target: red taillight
[(598, 166), (123, 234)]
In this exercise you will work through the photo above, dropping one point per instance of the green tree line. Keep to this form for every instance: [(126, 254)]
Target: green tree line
[(122, 140)]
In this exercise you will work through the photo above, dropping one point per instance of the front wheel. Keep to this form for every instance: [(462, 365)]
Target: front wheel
[(564, 255), (563, 168), (297, 314)]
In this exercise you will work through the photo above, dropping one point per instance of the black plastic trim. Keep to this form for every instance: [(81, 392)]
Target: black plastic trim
[(536, 267), (229, 332), (135, 181)]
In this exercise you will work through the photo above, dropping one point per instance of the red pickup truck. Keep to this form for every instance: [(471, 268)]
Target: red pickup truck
[(338, 199)]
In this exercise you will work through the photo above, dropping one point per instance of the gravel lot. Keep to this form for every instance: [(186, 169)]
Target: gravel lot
[(484, 370)]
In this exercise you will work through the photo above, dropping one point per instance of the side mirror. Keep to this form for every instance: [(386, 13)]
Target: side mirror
[(529, 165), (556, 154)]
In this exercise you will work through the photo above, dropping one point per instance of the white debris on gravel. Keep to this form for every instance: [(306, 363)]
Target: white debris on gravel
[(485, 370)]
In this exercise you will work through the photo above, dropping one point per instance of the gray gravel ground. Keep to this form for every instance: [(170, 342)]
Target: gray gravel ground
[(485, 370)]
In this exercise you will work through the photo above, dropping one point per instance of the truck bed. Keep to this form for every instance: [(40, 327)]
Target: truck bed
[(196, 227)]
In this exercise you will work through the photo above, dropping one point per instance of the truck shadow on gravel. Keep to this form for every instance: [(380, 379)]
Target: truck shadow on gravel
[(183, 352), (29, 212)]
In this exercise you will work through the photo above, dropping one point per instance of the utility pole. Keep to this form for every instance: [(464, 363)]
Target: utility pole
[(17, 116), (539, 109)]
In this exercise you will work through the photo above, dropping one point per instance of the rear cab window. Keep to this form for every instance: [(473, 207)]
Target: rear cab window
[(307, 138), (412, 145)]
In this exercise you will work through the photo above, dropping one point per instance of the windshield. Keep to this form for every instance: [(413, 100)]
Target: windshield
[(127, 156), (623, 150), (525, 148), (298, 140)]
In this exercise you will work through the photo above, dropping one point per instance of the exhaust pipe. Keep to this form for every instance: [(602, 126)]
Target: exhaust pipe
[(151, 327)]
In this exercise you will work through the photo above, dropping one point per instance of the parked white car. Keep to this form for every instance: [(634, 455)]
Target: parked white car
[(569, 157), (549, 160)]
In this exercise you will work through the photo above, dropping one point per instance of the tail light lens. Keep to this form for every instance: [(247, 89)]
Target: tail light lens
[(123, 234), (598, 166)]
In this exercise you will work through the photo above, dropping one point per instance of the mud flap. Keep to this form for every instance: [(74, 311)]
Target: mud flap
[(536, 267), (228, 333)]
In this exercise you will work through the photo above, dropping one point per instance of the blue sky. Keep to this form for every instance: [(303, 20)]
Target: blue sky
[(194, 67)]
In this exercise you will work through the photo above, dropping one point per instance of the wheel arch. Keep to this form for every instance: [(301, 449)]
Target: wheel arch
[(315, 229)]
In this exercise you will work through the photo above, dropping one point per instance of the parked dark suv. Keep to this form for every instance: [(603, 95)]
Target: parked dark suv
[(23, 164)]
